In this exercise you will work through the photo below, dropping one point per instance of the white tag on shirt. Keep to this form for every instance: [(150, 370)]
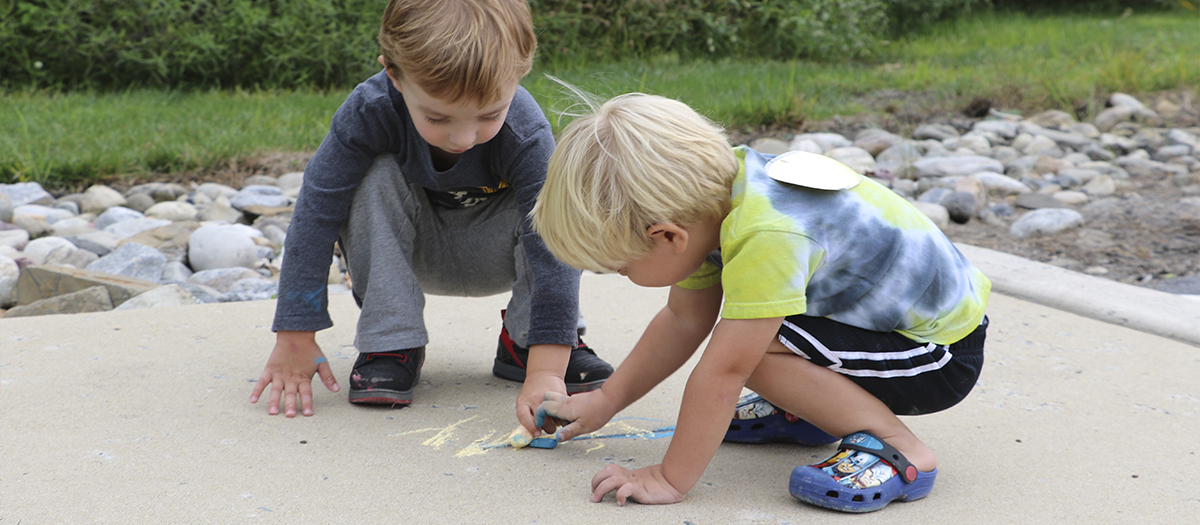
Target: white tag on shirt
[(812, 171)]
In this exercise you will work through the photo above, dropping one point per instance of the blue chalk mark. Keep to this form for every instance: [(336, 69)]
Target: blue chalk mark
[(645, 434)]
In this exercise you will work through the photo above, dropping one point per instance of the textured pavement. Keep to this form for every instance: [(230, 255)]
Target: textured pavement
[(1088, 411)]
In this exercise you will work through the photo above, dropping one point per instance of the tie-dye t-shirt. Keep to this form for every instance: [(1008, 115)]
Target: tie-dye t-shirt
[(861, 256)]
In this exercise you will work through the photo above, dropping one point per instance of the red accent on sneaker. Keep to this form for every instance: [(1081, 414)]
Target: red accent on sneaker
[(791, 418), (508, 343)]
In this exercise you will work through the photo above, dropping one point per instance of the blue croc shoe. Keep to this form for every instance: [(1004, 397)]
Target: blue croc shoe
[(756, 420), (865, 475)]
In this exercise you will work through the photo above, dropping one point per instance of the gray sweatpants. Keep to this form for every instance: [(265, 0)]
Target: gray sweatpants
[(400, 246)]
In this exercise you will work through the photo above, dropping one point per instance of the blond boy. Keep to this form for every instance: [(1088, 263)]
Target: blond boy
[(425, 179), (839, 303)]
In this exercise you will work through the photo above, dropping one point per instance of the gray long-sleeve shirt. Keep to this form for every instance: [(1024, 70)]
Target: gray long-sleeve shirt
[(373, 121)]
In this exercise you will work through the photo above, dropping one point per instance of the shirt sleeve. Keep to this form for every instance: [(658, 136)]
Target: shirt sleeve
[(766, 274), (365, 126)]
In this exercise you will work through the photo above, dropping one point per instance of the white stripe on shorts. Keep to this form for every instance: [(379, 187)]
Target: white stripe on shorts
[(836, 357)]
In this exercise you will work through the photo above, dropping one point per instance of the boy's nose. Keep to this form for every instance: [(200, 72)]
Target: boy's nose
[(463, 138)]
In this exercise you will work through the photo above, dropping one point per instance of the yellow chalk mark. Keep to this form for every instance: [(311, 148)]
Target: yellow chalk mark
[(443, 434), (597, 447), (480, 446)]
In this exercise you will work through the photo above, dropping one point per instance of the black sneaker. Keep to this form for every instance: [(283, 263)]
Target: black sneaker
[(386, 378), (585, 371)]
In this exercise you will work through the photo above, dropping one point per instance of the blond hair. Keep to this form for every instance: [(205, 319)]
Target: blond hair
[(637, 160), (458, 50)]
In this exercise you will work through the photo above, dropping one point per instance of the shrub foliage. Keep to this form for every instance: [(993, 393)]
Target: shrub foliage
[(113, 44)]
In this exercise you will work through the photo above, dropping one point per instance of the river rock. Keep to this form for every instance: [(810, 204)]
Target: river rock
[(94, 299), (223, 279), (936, 213), (172, 211), (23, 193), (938, 132), (99, 197), (826, 141), (295, 179), (129, 228), (169, 295), (955, 166), (114, 215), (223, 246), (132, 260), (9, 273), (1045, 221), (257, 195), (857, 159)]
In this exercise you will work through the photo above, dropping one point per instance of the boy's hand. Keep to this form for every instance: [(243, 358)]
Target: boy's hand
[(293, 361), (645, 485), (587, 412), (536, 388)]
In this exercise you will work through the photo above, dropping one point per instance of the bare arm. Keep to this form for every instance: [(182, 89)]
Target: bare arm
[(712, 390), (671, 338)]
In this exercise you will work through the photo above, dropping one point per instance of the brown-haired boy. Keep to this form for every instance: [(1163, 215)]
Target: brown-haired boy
[(426, 178)]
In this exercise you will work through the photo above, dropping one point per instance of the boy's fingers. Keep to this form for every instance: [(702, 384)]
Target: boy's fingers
[(259, 386), (289, 408), (276, 392), (327, 378), (306, 403)]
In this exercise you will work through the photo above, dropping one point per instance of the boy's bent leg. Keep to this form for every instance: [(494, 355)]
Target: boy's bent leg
[(378, 241)]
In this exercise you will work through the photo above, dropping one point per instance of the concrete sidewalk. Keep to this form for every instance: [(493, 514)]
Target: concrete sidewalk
[(142, 417)]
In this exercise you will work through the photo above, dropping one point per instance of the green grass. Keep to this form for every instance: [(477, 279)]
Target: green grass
[(1022, 62)]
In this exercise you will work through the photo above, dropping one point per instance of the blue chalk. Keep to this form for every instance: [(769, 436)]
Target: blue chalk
[(543, 443)]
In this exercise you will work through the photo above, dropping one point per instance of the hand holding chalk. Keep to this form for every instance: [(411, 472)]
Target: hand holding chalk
[(586, 412)]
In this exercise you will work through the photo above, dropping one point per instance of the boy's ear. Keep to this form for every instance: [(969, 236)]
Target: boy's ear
[(389, 73), (671, 233)]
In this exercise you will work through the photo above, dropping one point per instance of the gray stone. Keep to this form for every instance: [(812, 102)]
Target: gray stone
[(857, 159), (71, 227), (1101, 186), (23, 193), (202, 293), (935, 132), (1086, 129), (1179, 136), (1037, 201), (98, 198), (1045, 221), (114, 215), (222, 279), (1149, 138), (94, 299), (40, 282), (175, 272), (807, 146), (1108, 118), (1096, 151), (270, 196), (251, 290), (936, 213), (955, 166), (973, 142), (1169, 152), (9, 273), (15, 238), (36, 226), (132, 260), (97, 242), (140, 202), (1004, 128), (1081, 176), (127, 229), (220, 211), (1053, 118), (875, 140), (172, 211), (214, 190), (169, 295), (1071, 197), (1001, 183), (292, 180), (6, 208), (960, 206), (769, 146), (170, 240), (935, 195), (46, 248), (223, 246), (1040, 145), (1189, 285), (826, 141), (72, 207), (46, 213)]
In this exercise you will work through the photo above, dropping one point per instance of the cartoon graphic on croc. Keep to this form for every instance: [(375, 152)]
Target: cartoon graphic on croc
[(863, 476), (756, 420)]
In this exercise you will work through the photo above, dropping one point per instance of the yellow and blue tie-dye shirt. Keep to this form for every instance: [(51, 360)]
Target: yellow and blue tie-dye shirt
[(862, 256)]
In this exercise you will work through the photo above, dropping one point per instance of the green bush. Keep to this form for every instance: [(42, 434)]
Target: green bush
[(1090, 6), (193, 43), (115, 44)]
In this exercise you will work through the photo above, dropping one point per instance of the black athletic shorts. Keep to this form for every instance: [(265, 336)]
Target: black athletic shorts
[(911, 378)]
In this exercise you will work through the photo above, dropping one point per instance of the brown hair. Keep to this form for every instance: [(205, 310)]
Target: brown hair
[(458, 50)]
